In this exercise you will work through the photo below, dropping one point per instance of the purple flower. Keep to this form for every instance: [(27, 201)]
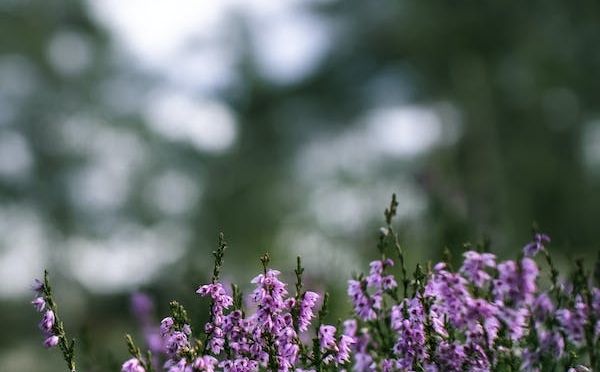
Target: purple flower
[(574, 320), (37, 286), (177, 366), (542, 307), (482, 320), (327, 337), (515, 320), (532, 248), (47, 322), (217, 293), (306, 310), (364, 305), (166, 325), (474, 265), (132, 365), (39, 304), (450, 293), (206, 363), (408, 321), (142, 306), (477, 360), (376, 274), (344, 347), (51, 341), (388, 365), (239, 365), (350, 327), (451, 356), (175, 342), (269, 285), (551, 343), (516, 285), (596, 301)]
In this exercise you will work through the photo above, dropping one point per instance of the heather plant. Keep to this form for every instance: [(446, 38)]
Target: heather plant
[(486, 315)]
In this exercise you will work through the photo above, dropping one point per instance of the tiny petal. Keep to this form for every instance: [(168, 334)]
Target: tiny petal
[(51, 341), (39, 304)]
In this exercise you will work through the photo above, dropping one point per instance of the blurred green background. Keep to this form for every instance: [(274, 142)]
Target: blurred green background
[(132, 132)]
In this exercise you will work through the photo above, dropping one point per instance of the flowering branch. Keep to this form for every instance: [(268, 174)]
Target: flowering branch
[(51, 325)]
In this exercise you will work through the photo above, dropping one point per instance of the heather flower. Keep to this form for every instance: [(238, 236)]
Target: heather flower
[(573, 320), (542, 307), (377, 278), (305, 314), (450, 293), (596, 301), (166, 325), (482, 320), (220, 301), (177, 366), (175, 342), (364, 305), (451, 356), (387, 365), (142, 306), (344, 347), (39, 304), (51, 341), (206, 363), (515, 320), (132, 365), (268, 285), (47, 322), (410, 343), (217, 294), (532, 248), (474, 265), (37, 286), (350, 327), (477, 360), (516, 282), (239, 365), (327, 337), (551, 343)]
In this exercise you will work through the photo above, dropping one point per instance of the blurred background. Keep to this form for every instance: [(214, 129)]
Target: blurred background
[(132, 132)]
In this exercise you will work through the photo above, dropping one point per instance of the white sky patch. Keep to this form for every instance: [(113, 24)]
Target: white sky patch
[(155, 31), (289, 47), (15, 156), (69, 53), (404, 131), (130, 257), (208, 125), (172, 192), (23, 243), (114, 155), (193, 43)]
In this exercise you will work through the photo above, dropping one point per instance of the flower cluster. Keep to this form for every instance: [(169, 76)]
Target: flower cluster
[(220, 302), (487, 315)]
